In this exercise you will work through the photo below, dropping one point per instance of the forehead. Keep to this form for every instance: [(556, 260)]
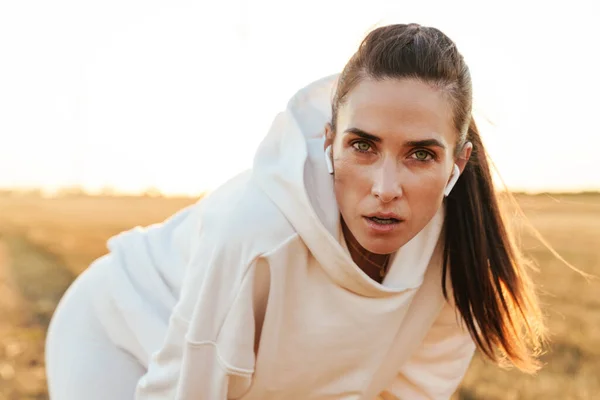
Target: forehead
[(405, 108)]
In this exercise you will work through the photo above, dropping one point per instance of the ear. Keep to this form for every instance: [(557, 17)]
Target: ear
[(459, 167), (328, 135), (464, 156)]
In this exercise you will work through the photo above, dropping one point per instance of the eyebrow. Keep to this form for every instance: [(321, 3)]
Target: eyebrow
[(426, 143), (410, 143), (363, 134)]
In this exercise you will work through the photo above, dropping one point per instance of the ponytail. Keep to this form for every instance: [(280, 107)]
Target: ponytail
[(489, 279)]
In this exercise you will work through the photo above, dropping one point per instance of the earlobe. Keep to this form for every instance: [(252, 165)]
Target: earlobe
[(328, 160), (453, 180)]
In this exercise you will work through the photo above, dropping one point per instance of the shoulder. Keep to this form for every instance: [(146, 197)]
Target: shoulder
[(240, 215)]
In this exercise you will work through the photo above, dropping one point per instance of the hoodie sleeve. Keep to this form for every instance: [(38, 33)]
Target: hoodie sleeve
[(208, 350), (436, 369)]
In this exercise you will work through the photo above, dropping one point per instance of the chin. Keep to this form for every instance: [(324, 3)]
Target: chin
[(384, 245)]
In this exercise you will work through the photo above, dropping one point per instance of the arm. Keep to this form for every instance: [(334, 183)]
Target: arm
[(438, 366), (208, 351)]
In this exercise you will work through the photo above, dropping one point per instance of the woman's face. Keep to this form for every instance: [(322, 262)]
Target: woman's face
[(393, 156)]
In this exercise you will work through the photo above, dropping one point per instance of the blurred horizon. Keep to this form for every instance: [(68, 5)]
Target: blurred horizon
[(175, 96), (76, 191)]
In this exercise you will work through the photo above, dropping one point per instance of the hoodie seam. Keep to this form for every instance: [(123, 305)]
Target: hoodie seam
[(250, 264), (281, 245), (230, 369), (224, 364)]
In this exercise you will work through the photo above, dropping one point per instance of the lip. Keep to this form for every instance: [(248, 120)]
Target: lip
[(376, 228), (384, 216)]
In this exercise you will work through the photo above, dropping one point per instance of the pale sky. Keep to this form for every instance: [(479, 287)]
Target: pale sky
[(178, 94)]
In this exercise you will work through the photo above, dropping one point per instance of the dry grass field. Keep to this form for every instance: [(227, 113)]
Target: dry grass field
[(44, 243)]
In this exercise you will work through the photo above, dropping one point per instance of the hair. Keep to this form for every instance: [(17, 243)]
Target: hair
[(488, 275)]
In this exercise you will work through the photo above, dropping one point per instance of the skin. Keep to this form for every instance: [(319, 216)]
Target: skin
[(402, 168)]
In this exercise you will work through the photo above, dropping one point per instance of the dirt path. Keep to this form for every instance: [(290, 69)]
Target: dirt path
[(31, 283)]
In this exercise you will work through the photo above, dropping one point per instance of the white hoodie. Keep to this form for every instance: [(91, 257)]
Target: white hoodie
[(251, 293)]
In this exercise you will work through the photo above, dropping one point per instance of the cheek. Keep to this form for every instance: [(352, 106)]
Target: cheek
[(352, 181), (427, 183), (425, 193)]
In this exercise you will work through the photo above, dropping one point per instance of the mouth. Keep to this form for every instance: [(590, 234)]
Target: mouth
[(384, 221)]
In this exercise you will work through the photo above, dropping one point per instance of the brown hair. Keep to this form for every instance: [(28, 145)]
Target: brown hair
[(488, 276)]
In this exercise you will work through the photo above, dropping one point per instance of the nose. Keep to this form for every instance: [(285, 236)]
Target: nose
[(386, 181)]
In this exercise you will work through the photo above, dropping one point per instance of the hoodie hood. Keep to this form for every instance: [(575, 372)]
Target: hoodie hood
[(290, 168)]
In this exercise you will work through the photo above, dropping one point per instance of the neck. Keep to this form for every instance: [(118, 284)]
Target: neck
[(372, 264)]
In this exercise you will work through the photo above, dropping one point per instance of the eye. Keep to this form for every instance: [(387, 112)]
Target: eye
[(422, 155), (361, 146)]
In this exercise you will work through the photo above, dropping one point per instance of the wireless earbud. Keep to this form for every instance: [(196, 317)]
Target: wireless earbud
[(453, 179), (328, 160)]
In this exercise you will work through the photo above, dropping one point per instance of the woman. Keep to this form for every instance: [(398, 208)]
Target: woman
[(362, 257)]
